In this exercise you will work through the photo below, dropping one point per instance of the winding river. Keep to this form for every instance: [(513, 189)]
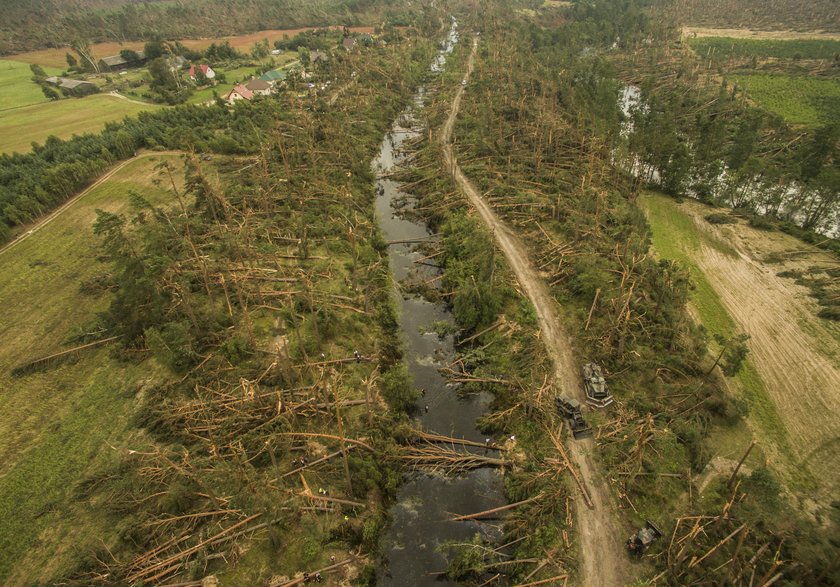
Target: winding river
[(415, 544)]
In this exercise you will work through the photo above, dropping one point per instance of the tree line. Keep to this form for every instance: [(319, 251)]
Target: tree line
[(32, 184)]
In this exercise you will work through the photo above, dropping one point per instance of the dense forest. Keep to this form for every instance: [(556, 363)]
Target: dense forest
[(27, 25)]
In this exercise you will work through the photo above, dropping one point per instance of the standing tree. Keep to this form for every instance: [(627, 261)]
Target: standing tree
[(733, 352), (260, 50), (82, 47)]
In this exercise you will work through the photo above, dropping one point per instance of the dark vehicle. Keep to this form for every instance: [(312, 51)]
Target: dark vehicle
[(570, 409), (639, 542), (597, 392)]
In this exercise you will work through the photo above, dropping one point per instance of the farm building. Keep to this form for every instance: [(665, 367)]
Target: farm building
[(73, 87), (116, 62), (259, 87), (349, 43), (274, 76)]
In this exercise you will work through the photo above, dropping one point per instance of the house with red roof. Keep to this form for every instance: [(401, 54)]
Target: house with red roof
[(239, 92), (204, 68)]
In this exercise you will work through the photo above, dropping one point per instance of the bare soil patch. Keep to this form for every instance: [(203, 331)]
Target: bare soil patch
[(796, 354), (783, 35)]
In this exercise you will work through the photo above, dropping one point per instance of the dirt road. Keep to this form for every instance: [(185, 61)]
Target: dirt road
[(55, 213), (602, 556), (116, 94)]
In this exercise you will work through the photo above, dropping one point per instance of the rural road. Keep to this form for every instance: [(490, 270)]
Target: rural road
[(116, 94), (602, 556), (58, 211)]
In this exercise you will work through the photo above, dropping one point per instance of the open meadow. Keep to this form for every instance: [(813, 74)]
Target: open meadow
[(792, 376), (799, 100), (20, 127), (16, 86), (58, 424), (724, 47)]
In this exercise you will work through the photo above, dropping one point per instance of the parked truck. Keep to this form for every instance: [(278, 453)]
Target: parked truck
[(570, 409), (639, 542), (595, 386)]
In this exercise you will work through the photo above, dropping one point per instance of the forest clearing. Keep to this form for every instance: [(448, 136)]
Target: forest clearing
[(795, 355)]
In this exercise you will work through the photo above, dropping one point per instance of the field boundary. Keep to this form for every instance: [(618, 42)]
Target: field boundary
[(39, 224)]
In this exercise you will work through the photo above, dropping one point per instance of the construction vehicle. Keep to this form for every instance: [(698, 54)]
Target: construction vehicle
[(597, 392), (639, 542), (570, 409)]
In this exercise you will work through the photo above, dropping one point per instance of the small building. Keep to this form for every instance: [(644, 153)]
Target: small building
[(204, 68), (259, 87), (239, 92), (116, 62), (74, 87), (274, 76), (349, 43)]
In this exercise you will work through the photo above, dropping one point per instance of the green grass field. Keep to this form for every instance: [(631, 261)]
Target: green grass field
[(20, 127), (676, 237), (719, 48), (16, 85), (58, 425), (799, 100)]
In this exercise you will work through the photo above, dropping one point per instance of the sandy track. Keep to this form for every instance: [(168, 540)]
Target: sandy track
[(602, 556), (58, 211), (796, 354)]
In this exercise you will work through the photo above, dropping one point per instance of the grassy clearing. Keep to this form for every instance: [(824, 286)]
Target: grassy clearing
[(676, 237), (726, 47), (21, 127), (16, 85), (799, 100), (57, 425)]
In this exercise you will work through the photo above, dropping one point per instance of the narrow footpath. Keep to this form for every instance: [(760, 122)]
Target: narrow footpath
[(602, 555)]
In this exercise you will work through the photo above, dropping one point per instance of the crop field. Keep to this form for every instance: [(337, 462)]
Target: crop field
[(58, 425), (20, 127), (792, 376), (799, 100), (785, 15), (748, 33), (16, 85), (726, 47)]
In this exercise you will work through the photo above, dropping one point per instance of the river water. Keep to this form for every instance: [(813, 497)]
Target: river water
[(414, 543)]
